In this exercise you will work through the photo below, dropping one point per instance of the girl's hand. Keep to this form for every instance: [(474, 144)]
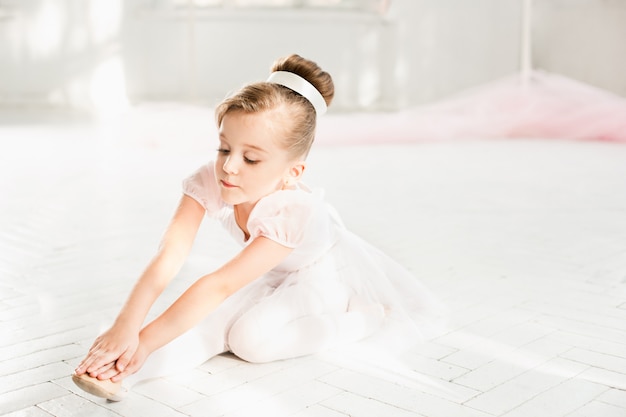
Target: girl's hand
[(135, 363), (110, 353)]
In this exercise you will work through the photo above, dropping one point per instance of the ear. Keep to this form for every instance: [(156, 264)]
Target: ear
[(295, 172)]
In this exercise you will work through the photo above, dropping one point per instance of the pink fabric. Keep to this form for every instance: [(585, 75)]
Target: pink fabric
[(548, 106)]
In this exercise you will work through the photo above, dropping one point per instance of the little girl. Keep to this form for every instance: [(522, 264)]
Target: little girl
[(301, 283)]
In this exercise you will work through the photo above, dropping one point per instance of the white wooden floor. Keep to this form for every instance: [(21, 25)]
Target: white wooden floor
[(524, 240)]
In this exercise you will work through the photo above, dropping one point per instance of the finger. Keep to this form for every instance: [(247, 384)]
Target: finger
[(109, 373), (92, 362), (92, 355), (102, 369), (132, 367), (122, 375), (100, 359), (79, 370), (123, 361), (86, 362)]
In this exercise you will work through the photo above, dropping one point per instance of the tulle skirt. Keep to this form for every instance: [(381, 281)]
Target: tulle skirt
[(352, 275)]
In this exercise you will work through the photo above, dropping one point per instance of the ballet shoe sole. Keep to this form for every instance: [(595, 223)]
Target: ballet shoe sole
[(97, 387)]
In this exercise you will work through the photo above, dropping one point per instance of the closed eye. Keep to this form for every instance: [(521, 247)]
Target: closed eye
[(247, 160)]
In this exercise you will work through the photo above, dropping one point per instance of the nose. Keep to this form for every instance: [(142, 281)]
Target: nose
[(230, 166)]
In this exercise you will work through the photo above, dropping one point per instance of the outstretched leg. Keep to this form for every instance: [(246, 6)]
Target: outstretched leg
[(201, 343), (187, 351)]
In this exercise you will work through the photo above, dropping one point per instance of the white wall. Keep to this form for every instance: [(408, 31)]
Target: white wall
[(72, 52), (447, 45), (204, 57), (582, 39), (53, 49)]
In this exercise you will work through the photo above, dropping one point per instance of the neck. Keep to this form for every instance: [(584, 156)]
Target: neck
[(242, 213), (243, 210)]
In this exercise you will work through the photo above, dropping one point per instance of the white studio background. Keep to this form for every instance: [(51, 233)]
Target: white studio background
[(112, 53)]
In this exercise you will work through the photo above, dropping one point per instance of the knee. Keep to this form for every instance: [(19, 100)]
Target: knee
[(247, 342)]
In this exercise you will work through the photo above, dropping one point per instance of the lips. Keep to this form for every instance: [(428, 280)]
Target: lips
[(226, 184)]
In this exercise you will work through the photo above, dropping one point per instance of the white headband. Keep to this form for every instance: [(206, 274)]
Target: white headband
[(301, 86)]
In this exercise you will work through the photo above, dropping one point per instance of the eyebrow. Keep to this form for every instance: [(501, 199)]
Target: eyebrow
[(256, 148), (246, 145)]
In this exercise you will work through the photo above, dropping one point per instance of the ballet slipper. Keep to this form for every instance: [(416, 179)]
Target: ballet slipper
[(103, 388)]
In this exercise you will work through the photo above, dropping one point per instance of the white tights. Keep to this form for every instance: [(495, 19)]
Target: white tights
[(288, 324)]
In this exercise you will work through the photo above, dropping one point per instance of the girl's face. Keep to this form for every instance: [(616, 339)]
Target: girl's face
[(250, 164)]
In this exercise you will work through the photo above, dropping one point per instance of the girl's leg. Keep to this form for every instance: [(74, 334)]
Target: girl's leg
[(299, 321), (193, 348), (188, 351), (185, 352)]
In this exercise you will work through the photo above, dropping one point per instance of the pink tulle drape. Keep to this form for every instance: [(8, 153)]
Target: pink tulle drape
[(545, 106)]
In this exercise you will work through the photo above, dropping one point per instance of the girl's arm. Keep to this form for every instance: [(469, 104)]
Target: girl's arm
[(260, 256), (116, 346)]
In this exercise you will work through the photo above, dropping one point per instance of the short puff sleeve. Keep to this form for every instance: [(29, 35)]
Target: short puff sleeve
[(285, 216), (202, 187)]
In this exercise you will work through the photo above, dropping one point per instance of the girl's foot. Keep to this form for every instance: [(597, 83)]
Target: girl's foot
[(112, 391)]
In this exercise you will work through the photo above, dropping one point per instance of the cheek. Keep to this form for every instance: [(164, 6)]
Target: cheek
[(267, 183), (216, 167)]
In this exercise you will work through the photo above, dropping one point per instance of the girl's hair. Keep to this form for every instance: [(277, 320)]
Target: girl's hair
[(297, 114)]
